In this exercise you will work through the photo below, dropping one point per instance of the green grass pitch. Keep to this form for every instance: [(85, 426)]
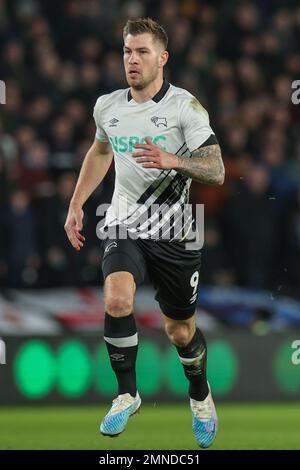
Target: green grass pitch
[(242, 426)]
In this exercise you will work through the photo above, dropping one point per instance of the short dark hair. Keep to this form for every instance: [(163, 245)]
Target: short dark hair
[(146, 25)]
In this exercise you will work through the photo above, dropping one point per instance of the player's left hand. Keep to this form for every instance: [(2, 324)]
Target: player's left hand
[(153, 156)]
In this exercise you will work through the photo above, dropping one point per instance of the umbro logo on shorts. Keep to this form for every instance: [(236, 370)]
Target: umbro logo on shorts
[(159, 121), (111, 245)]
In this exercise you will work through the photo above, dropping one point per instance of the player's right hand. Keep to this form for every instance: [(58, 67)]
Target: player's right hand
[(74, 225)]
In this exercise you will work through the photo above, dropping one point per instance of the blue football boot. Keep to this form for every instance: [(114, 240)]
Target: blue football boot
[(205, 420), (116, 419)]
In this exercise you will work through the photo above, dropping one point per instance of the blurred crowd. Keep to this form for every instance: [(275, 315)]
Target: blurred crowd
[(238, 58)]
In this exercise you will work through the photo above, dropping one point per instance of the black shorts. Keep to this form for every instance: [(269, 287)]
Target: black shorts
[(173, 271)]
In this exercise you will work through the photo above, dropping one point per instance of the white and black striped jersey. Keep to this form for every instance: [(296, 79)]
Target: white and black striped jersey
[(174, 120)]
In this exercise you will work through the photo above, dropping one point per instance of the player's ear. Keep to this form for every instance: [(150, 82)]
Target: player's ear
[(164, 58)]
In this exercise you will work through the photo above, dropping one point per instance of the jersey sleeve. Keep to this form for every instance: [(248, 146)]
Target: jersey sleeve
[(100, 132), (194, 121)]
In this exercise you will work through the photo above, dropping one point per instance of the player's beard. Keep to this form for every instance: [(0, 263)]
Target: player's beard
[(144, 83)]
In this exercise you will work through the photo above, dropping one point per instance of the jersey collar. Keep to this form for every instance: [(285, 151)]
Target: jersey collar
[(159, 95)]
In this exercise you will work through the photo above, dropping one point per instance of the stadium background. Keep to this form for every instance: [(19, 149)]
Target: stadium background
[(239, 59)]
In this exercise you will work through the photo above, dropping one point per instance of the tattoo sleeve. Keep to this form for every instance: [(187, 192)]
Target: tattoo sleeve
[(205, 165)]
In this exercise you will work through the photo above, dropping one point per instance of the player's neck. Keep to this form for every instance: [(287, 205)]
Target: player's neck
[(141, 96)]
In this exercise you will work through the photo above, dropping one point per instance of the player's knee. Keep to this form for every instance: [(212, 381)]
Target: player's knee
[(179, 334), (118, 305)]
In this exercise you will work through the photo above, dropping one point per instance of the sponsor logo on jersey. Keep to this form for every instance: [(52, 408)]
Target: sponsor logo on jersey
[(159, 121), (125, 143), (113, 122)]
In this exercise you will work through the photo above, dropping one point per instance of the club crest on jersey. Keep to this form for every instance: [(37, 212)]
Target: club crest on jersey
[(159, 121), (113, 122)]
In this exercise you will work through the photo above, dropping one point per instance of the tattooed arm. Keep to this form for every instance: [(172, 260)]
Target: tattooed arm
[(205, 165)]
